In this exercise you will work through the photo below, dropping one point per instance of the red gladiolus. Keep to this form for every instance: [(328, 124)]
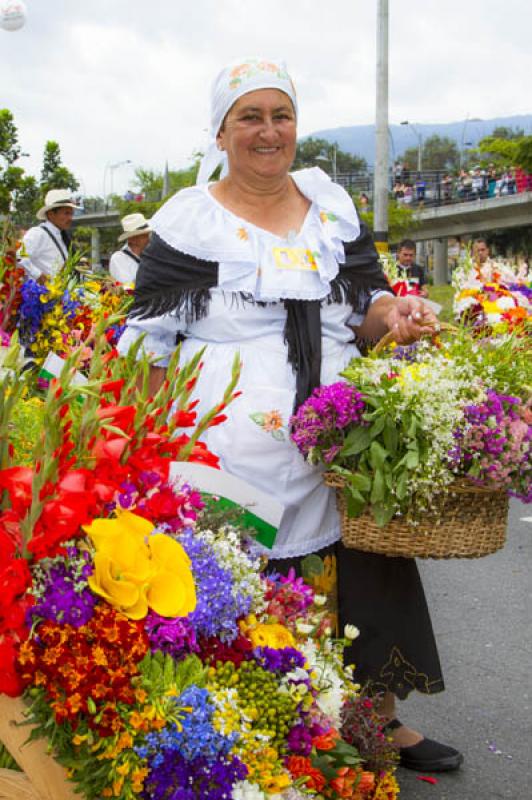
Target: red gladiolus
[(10, 682)]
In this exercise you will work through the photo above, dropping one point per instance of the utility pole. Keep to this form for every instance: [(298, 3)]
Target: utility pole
[(380, 186)]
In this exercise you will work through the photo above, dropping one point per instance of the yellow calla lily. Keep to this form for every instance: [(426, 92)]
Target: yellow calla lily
[(135, 570)]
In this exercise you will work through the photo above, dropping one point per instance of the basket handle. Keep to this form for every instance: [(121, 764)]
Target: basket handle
[(389, 337)]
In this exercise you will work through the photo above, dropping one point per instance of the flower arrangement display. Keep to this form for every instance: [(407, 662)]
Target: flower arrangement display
[(494, 294), (403, 426), (60, 314), (151, 648), (11, 280), (397, 277)]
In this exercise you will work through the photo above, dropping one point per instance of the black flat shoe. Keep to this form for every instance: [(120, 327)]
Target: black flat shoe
[(427, 755)]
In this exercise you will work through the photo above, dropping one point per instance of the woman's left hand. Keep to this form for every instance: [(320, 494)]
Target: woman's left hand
[(410, 318)]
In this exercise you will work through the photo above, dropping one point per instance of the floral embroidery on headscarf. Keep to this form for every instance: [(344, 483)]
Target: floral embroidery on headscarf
[(253, 67)]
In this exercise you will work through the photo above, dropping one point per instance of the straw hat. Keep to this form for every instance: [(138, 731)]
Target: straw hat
[(134, 225), (56, 198)]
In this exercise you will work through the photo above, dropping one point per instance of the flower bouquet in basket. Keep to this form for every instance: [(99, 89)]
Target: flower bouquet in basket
[(425, 443), (142, 643), (494, 294)]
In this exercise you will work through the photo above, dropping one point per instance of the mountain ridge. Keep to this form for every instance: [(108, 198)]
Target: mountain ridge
[(360, 139)]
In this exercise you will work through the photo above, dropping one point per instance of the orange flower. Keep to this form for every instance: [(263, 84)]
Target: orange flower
[(327, 741)]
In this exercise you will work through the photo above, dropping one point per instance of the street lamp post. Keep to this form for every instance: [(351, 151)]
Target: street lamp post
[(111, 168), (380, 185), (419, 143)]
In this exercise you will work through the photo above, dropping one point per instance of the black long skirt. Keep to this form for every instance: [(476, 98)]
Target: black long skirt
[(384, 598)]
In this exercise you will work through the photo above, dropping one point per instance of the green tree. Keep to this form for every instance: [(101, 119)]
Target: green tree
[(438, 153), (54, 174), (401, 220), (319, 153), (10, 176), (504, 132), (516, 152), (26, 200)]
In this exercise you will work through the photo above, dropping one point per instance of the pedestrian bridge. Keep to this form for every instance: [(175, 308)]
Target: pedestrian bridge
[(478, 216)]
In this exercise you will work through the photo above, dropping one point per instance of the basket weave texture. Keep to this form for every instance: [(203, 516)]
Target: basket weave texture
[(472, 524)]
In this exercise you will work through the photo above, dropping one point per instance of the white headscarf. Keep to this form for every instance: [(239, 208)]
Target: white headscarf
[(235, 80)]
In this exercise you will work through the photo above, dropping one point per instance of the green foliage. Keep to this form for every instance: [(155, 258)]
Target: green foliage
[(9, 147), (438, 153), (310, 152), (401, 220), (54, 175), (508, 152), (504, 132), (161, 675)]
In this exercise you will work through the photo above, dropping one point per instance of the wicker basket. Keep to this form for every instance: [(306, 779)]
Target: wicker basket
[(472, 524), (42, 777)]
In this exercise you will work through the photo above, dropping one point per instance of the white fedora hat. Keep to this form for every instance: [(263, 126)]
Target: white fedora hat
[(56, 198), (134, 225)]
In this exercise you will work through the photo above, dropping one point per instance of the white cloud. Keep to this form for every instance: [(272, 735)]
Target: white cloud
[(129, 79)]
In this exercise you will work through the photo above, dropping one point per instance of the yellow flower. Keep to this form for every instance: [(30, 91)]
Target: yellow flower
[(136, 569), (275, 636)]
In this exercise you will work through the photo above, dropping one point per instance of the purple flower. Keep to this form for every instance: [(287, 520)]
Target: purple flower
[(173, 636), (282, 661), (299, 740), (322, 421), (64, 594), (493, 447)]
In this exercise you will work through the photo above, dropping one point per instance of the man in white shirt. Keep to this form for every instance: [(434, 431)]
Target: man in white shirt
[(136, 235), (45, 246)]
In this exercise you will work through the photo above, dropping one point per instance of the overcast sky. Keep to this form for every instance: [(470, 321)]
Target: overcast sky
[(129, 79)]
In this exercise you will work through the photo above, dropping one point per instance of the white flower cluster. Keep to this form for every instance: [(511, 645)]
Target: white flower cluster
[(327, 676), (244, 567)]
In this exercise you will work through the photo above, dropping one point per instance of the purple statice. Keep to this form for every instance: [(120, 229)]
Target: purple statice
[(408, 352), (281, 660), (321, 422), (62, 592), (493, 448), (173, 636), (219, 605)]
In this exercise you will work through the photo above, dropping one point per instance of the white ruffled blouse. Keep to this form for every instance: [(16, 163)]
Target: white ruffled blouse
[(254, 442)]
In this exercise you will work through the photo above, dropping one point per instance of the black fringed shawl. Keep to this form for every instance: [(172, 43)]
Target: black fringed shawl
[(171, 282)]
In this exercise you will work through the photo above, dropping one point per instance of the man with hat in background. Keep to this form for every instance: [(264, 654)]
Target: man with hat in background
[(46, 245), (136, 235)]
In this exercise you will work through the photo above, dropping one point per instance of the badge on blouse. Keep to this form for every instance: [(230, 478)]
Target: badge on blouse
[(295, 258)]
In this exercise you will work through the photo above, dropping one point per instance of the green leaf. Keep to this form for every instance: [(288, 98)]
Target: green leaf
[(356, 441), (259, 417), (377, 489), (360, 482), (401, 485), (377, 426), (412, 459), (377, 455), (278, 435), (382, 514), (390, 436), (412, 427), (355, 505)]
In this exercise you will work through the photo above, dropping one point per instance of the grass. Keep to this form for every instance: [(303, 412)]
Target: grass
[(444, 296)]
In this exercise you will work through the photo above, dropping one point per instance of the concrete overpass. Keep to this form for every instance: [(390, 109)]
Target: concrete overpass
[(477, 216), (437, 223)]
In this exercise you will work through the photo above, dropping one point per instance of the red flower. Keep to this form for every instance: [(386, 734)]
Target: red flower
[(10, 682), (301, 767)]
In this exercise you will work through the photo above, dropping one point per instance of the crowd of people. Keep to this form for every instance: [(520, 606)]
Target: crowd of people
[(436, 187)]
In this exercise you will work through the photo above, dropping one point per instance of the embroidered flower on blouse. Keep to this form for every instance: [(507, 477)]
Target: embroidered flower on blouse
[(328, 216), (242, 234), (270, 422)]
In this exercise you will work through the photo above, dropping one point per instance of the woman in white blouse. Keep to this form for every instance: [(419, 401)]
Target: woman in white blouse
[(275, 266)]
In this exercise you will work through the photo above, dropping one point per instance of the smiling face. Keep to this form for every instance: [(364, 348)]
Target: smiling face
[(259, 134)]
